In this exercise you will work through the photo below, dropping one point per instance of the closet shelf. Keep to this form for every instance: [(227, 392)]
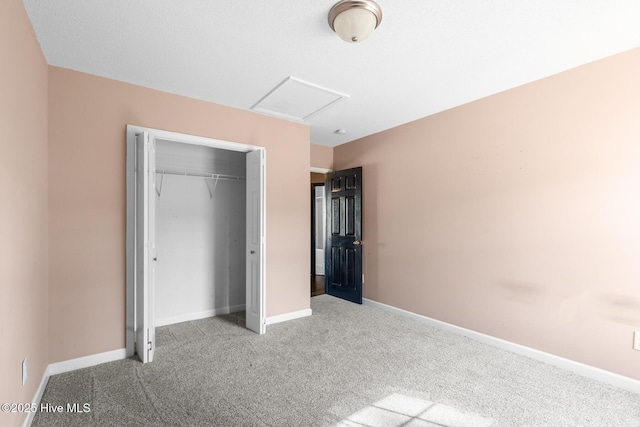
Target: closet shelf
[(203, 175), (215, 177)]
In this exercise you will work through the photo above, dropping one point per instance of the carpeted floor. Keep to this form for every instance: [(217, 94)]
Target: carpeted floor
[(347, 365)]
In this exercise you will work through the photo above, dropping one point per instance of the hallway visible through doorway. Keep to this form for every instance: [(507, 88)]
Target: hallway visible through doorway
[(317, 233), (317, 285)]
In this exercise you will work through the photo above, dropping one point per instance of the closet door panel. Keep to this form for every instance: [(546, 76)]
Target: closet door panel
[(145, 246), (255, 305)]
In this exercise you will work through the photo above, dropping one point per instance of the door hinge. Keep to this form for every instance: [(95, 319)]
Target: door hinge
[(150, 346)]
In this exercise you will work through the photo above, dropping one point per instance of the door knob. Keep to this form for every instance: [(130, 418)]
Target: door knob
[(155, 258), (357, 242)]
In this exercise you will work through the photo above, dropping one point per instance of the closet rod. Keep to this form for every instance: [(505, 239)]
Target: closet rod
[(215, 176)]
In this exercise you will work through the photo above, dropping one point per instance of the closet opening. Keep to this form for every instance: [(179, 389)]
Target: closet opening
[(200, 232), (195, 233)]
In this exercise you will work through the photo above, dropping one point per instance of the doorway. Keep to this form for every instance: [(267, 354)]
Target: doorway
[(318, 231), (144, 182)]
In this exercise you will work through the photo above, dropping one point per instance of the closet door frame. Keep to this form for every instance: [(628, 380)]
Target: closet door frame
[(132, 297)]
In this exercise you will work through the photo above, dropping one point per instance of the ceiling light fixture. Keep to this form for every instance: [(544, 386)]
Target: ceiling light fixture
[(354, 20)]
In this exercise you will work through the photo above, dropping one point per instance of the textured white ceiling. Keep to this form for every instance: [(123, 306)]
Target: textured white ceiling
[(427, 55)]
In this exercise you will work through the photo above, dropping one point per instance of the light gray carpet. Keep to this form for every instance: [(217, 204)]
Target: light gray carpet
[(325, 370)]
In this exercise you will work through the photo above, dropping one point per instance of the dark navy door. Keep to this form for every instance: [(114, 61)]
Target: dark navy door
[(343, 251)]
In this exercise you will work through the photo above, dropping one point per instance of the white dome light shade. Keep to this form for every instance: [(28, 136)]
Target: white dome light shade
[(354, 21), (354, 25)]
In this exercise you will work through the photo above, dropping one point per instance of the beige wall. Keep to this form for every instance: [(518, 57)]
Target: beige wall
[(87, 120), (321, 156), (517, 215), (23, 216)]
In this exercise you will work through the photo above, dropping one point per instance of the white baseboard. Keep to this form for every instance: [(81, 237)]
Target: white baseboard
[(198, 315), (37, 397), (71, 365), (87, 361), (271, 320), (588, 371)]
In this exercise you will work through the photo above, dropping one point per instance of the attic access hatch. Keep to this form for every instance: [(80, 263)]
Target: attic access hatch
[(297, 100)]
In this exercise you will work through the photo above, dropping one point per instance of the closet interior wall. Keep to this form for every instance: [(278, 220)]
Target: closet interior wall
[(200, 232)]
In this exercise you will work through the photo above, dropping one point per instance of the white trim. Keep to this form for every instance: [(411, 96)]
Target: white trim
[(198, 315), (192, 139), (130, 332), (87, 361), (71, 365), (271, 320), (320, 170), (37, 397), (588, 371)]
